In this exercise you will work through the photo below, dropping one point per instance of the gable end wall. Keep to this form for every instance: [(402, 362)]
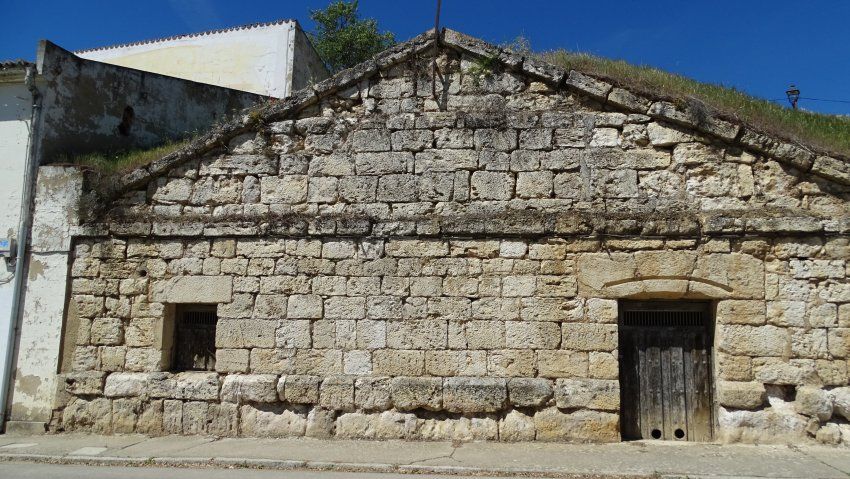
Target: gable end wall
[(394, 265)]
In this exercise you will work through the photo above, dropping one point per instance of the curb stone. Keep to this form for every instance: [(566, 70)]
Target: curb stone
[(275, 464)]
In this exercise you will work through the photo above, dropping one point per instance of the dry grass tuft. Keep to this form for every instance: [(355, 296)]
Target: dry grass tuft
[(119, 163), (828, 133)]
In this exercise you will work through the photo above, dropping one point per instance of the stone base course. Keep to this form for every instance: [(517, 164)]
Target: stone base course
[(463, 409)]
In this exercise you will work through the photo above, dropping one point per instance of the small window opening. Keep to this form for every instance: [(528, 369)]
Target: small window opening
[(194, 338), (126, 121)]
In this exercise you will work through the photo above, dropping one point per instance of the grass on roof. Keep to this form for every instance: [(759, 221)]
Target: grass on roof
[(119, 163), (828, 133)]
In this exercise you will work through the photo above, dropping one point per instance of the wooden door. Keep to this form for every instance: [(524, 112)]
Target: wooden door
[(665, 371)]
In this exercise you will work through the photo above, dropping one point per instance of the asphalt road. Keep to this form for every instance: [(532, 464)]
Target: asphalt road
[(41, 471)]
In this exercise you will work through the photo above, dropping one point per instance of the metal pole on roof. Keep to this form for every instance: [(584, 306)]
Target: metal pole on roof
[(793, 94), (436, 50), (437, 19)]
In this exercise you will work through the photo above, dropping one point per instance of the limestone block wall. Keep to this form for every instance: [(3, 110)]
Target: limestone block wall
[(387, 264)]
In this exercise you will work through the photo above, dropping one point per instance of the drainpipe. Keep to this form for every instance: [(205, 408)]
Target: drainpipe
[(24, 225)]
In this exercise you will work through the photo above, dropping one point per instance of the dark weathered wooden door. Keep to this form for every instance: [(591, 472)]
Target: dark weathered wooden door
[(665, 371)]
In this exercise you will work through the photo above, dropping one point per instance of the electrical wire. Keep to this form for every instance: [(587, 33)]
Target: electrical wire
[(823, 99), (810, 99)]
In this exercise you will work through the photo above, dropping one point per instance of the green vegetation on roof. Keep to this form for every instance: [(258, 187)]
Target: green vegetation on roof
[(119, 163), (828, 133)]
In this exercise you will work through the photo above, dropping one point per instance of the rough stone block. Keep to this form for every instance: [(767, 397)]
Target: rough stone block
[(484, 334), (510, 363), (371, 334), (841, 401), (838, 340), (223, 420), (373, 393), (598, 394), (107, 331), (456, 363), (245, 333), (238, 388), (320, 423), (264, 420), (370, 140), (172, 417), (340, 307), (516, 426), (589, 337), (409, 393), (562, 363), (500, 140), (534, 184), (83, 383), (488, 185), (603, 365), (194, 289), (470, 395), (196, 386), (753, 340), (286, 189), (293, 333), (94, 415), (416, 248), (397, 188), (270, 306), (417, 334), (532, 335), (584, 425), (125, 384), (195, 415), (741, 312), (337, 393), (776, 370), (394, 362), (741, 395), (814, 402), (299, 389), (529, 392), (232, 360), (125, 413), (357, 362), (318, 362), (588, 85)]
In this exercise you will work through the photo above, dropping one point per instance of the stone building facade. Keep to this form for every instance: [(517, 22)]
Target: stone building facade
[(445, 250)]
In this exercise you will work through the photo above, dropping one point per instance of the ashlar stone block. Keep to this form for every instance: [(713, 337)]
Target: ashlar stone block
[(410, 393), (598, 394), (491, 185), (472, 395), (337, 393), (299, 389), (241, 388)]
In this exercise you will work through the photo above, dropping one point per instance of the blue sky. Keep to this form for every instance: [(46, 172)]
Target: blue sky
[(759, 46)]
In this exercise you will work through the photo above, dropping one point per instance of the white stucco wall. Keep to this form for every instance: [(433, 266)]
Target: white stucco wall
[(15, 117), (56, 204), (257, 59)]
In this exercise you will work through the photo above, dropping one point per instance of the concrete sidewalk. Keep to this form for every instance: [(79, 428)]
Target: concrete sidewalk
[(636, 459)]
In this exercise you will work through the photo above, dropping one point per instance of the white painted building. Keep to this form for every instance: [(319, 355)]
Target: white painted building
[(272, 59), (16, 114)]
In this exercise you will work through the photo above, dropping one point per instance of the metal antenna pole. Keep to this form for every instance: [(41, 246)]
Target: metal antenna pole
[(436, 50), (437, 19)]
